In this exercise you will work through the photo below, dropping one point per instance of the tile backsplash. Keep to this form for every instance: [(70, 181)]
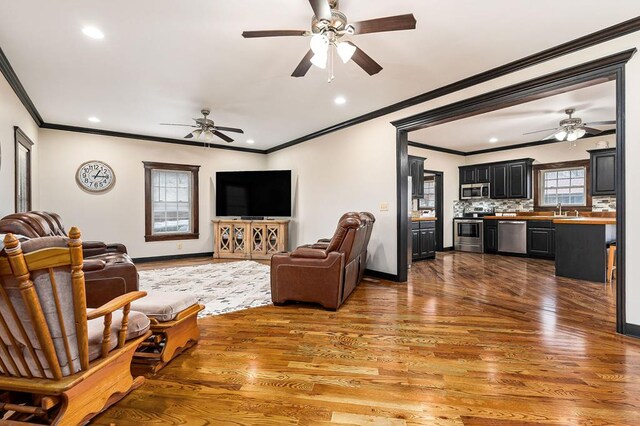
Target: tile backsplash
[(600, 204)]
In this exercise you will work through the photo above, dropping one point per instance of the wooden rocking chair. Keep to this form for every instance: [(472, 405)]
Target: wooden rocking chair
[(59, 362)]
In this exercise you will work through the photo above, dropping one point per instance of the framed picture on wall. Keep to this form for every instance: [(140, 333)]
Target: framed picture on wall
[(23, 171)]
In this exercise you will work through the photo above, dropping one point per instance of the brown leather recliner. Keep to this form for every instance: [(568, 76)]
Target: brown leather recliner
[(320, 275), (368, 219), (109, 271)]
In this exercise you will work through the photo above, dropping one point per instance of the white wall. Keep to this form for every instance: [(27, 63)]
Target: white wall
[(350, 170), (118, 215), (13, 113), (551, 153), (448, 164)]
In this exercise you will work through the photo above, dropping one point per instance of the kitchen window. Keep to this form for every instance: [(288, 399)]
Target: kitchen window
[(563, 186), (171, 202), (429, 200)]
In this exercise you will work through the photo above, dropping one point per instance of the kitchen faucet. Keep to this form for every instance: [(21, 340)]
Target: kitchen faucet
[(559, 209)]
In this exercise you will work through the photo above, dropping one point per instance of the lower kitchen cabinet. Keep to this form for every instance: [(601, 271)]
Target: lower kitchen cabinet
[(424, 240), (541, 239), (490, 236)]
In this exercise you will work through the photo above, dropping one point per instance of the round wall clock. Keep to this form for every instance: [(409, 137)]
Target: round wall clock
[(95, 176)]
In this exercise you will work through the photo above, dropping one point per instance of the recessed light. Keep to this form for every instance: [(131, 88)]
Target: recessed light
[(94, 119), (250, 141), (93, 32), (493, 140), (340, 100)]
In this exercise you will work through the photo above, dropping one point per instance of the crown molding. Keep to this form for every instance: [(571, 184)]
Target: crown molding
[(18, 88)]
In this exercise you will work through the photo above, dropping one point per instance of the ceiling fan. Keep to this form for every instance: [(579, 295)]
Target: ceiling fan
[(573, 128), (328, 28), (206, 129)]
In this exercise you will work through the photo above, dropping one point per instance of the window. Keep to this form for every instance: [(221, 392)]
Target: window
[(23, 171), (567, 183), (429, 200), (171, 202)]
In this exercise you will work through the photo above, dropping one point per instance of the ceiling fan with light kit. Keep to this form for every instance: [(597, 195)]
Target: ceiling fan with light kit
[(206, 129), (329, 27), (572, 128)]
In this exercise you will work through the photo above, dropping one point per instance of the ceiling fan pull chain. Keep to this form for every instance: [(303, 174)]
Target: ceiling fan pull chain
[(331, 75)]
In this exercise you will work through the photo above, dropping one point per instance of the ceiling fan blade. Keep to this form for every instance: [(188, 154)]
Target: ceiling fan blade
[(321, 9), (189, 136), (551, 136), (601, 123), (540, 131), (364, 61), (172, 124), (274, 33), (222, 136), (304, 65), (591, 130), (390, 23), (229, 129)]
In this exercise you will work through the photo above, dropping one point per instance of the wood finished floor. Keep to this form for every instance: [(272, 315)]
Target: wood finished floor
[(471, 340)]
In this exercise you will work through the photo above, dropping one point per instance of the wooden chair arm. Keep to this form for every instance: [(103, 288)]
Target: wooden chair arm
[(115, 304)]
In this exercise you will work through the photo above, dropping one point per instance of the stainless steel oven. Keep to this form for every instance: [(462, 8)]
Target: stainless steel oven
[(474, 190), (468, 235)]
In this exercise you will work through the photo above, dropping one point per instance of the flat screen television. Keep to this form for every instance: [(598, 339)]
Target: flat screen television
[(253, 194)]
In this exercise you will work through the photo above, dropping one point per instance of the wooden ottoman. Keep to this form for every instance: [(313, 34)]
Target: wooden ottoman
[(174, 326)]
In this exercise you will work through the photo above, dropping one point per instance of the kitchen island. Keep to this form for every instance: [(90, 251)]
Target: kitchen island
[(581, 247)]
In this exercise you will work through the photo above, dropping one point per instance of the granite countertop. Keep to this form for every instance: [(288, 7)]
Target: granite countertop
[(423, 219)]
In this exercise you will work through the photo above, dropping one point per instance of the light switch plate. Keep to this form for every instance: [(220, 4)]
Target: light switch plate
[(384, 207)]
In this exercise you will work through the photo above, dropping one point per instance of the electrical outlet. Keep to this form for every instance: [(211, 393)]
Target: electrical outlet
[(384, 207), (180, 246)]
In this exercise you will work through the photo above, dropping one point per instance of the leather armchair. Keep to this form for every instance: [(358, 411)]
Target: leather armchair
[(320, 275), (109, 271)]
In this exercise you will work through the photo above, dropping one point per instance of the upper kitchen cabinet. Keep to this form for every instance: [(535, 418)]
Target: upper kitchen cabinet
[(474, 174), (416, 171), (603, 171), (511, 179)]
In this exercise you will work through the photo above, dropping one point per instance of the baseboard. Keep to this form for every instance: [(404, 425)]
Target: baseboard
[(383, 275), (171, 257), (632, 330), (450, 248)]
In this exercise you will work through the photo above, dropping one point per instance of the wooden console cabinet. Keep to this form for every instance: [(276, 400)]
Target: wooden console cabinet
[(249, 239)]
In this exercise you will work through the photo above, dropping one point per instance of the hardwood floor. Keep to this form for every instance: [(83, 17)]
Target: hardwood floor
[(471, 339)]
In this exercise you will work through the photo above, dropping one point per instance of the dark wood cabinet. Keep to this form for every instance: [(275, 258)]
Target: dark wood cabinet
[(512, 179), (541, 239), (603, 172), (416, 171), (499, 187), (467, 175), (424, 240), (475, 174), (483, 174), (490, 236)]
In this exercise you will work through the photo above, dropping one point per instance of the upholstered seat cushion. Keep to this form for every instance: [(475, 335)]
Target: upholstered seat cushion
[(164, 306), (137, 326)]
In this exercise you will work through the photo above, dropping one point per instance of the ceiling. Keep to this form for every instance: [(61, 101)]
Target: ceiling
[(163, 60), (508, 125)]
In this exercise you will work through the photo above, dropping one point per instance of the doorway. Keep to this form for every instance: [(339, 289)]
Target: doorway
[(610, 68)]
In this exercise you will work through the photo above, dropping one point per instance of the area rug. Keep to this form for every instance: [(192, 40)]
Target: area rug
[(221, 287)]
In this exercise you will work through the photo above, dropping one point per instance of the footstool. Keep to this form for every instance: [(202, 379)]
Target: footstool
[(174, 325)]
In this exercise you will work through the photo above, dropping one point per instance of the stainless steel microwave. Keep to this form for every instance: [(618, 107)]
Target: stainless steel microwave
[(474, 190)]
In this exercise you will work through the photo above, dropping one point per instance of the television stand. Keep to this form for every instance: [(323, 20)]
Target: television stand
[(249, 239)]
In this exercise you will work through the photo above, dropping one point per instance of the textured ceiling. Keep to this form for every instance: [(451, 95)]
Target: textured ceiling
[(162, 60)]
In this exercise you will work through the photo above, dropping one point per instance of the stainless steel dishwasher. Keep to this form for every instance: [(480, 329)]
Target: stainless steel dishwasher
[(512, 236)]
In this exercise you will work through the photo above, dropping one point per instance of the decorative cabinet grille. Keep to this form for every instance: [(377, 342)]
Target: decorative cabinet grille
[(249, 239)]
